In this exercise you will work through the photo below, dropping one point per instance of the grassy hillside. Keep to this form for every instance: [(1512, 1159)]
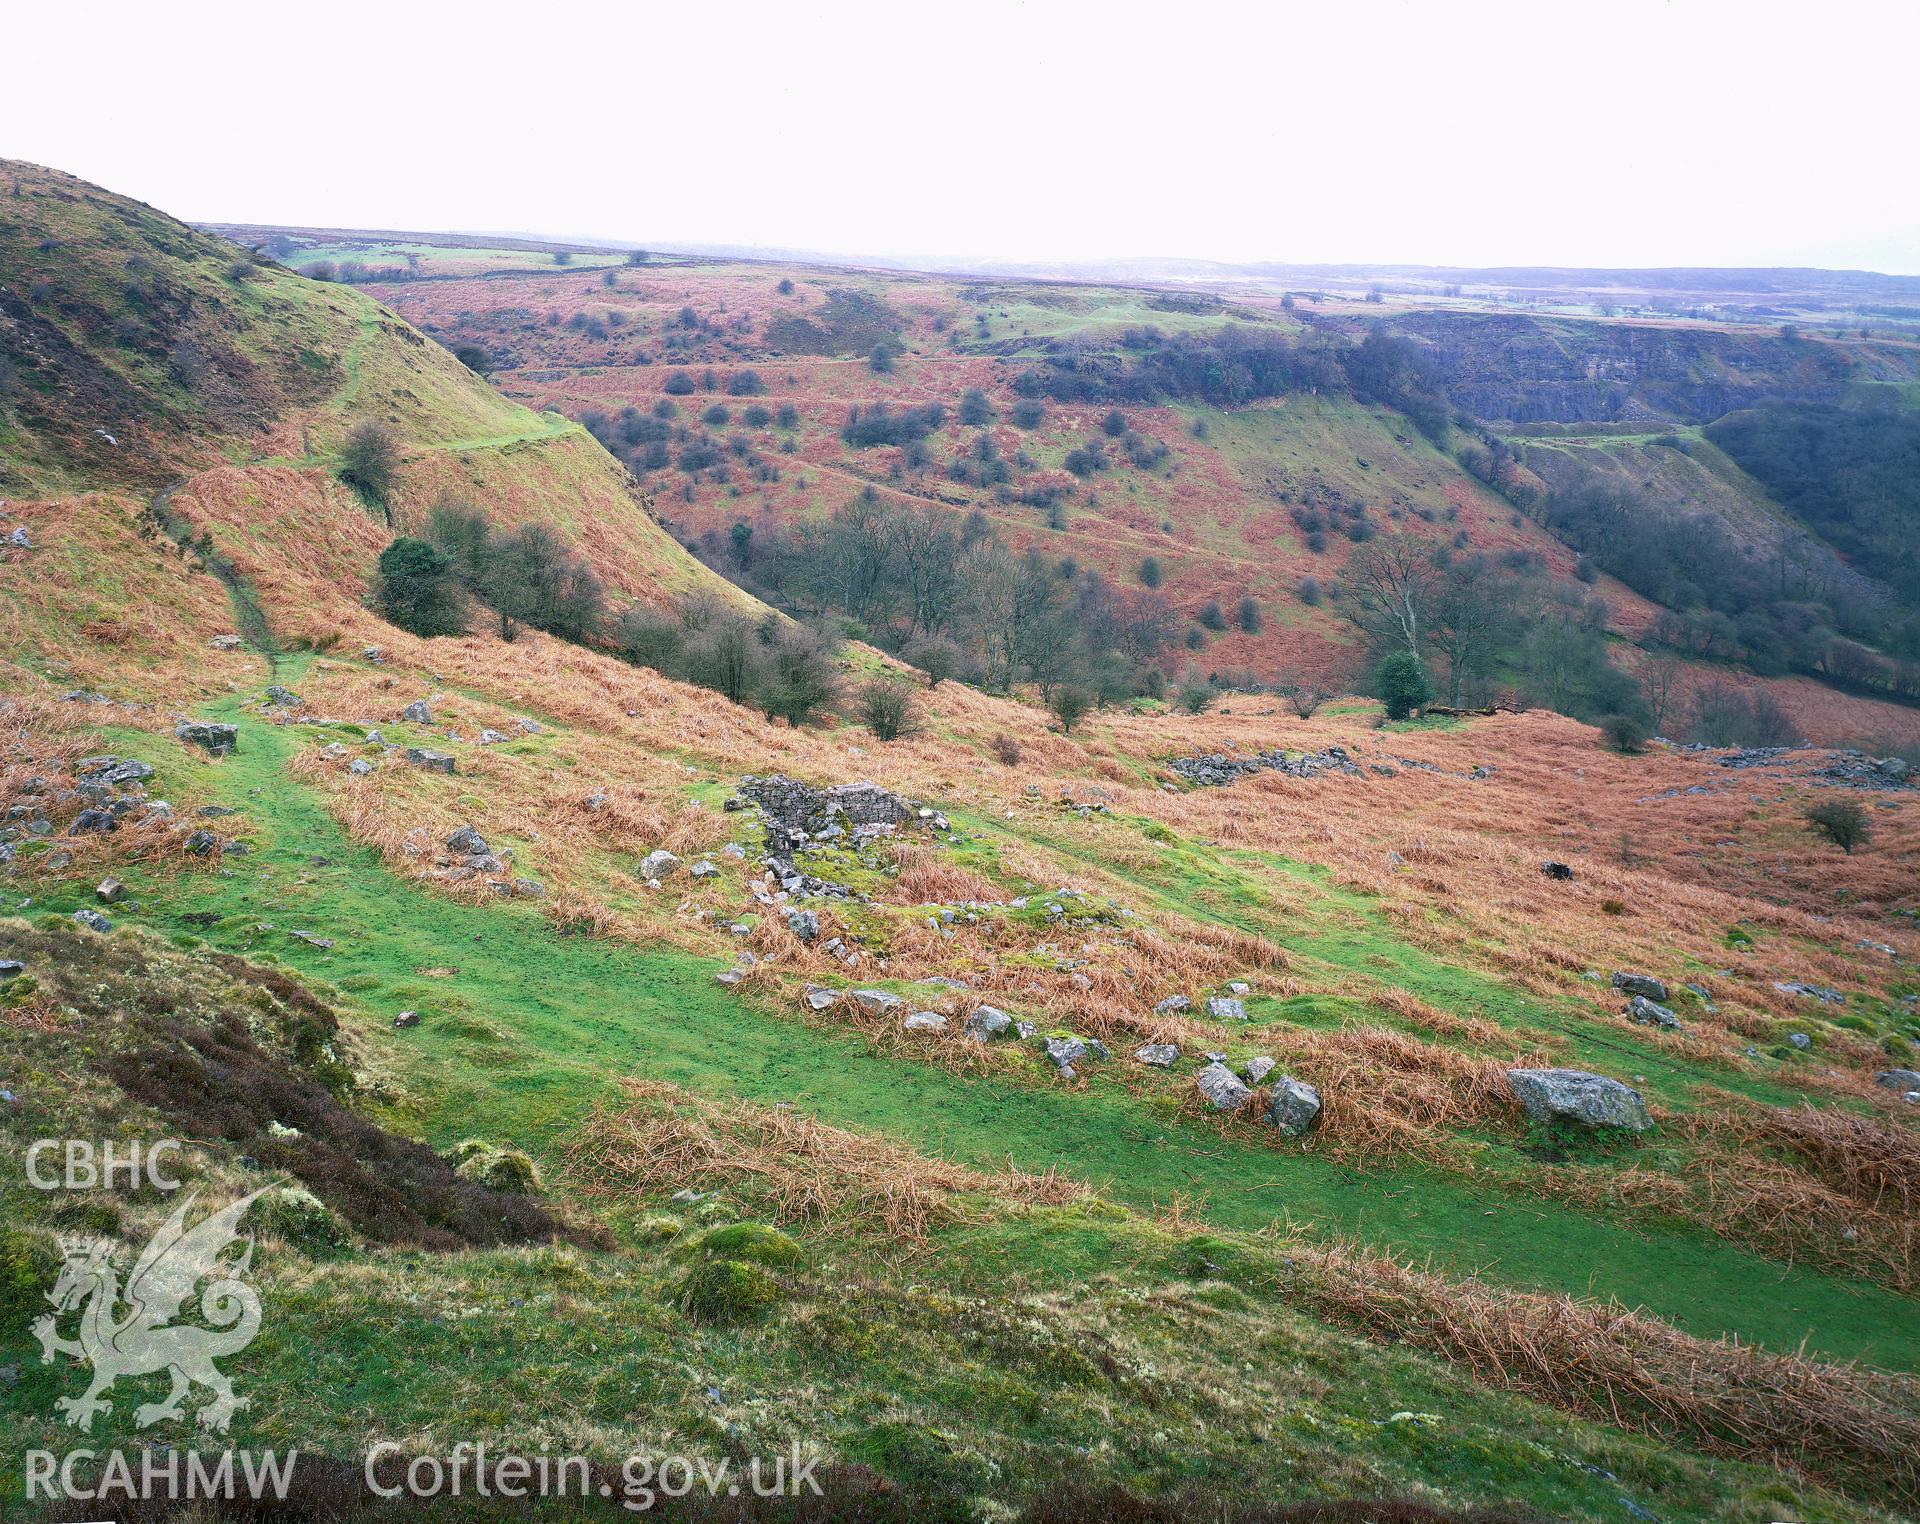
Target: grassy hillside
[(710, 356), (568, 1150), (173, 407)]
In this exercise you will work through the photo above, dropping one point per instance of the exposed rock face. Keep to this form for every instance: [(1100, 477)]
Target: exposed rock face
[(218, 740), (1572, 1095), (797, 813), (1293, 1106), (1529, 369), (1213, 769)]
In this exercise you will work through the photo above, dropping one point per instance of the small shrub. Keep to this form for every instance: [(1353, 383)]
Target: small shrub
[(1624, 733), (887, 708), (1194, 697), (1149, 573), (1248, 616), (1069, 705), (679, 384), (1304, 701), (501, 1169), (659, 1228), (1613, 907), (367, 464), (1841, 822), (1402, 684), (1006, 750)]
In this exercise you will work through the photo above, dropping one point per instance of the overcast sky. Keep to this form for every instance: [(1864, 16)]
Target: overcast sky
[(1693, 132)]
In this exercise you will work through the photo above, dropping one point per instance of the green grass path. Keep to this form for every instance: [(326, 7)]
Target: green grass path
[(537, 1027)]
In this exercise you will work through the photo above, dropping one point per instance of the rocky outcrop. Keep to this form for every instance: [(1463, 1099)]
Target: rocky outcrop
[(1573, 1095), (1215, 769)]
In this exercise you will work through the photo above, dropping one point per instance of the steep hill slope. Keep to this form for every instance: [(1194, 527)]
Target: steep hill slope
[(170, 406)]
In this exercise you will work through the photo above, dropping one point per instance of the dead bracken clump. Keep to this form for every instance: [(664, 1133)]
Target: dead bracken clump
[(665, 1139), (1855, 1429)]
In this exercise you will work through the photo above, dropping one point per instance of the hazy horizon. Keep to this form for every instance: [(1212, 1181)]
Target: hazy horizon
[(1669, 137)]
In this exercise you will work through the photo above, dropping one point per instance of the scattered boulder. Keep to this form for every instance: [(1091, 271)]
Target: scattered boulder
[(467, 842), (1293, 1106), (1641, 984), (1173, 1004), (659, 863), (704, 869), (1649, 1013), (987, 1023), (818, 997), (215, 740), (283, 698), (419, 712), (11, 968), (1226, 1008), (407, 1019), (877, 1002), (91, 822), (110, 891), (1257, 1069), (1905, 1081), (1161, 1055), (92, 920), (925, 1021), (1572, 1095), (1800, 1040), (202, 844), (804, 924), (432, 761), (1811, 992), (1558, 871), (1222, 1088), (1064, 1053)]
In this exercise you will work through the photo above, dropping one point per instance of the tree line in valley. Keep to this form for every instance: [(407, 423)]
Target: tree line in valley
[(1786, 606)]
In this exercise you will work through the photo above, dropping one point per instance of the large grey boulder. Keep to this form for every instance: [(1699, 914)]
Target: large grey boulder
[(1226, 1008), (1222, 1088), (1573, 1095), (925, 1021), (1257, 1069), (1641, 984), (804, 924), (1161, 1055), (217, 740), (1172, 1005), (1905, 1081), (877, 1002), (1293, 1106), (1649, 1013), (417, 713), (819, 997), (987, 1023), (432, 761)]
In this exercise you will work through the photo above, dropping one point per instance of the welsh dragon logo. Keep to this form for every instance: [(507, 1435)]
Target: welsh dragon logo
[(144, 1337)]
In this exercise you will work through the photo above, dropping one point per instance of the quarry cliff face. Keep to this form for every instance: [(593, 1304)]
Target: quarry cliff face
[(1521, 369)]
